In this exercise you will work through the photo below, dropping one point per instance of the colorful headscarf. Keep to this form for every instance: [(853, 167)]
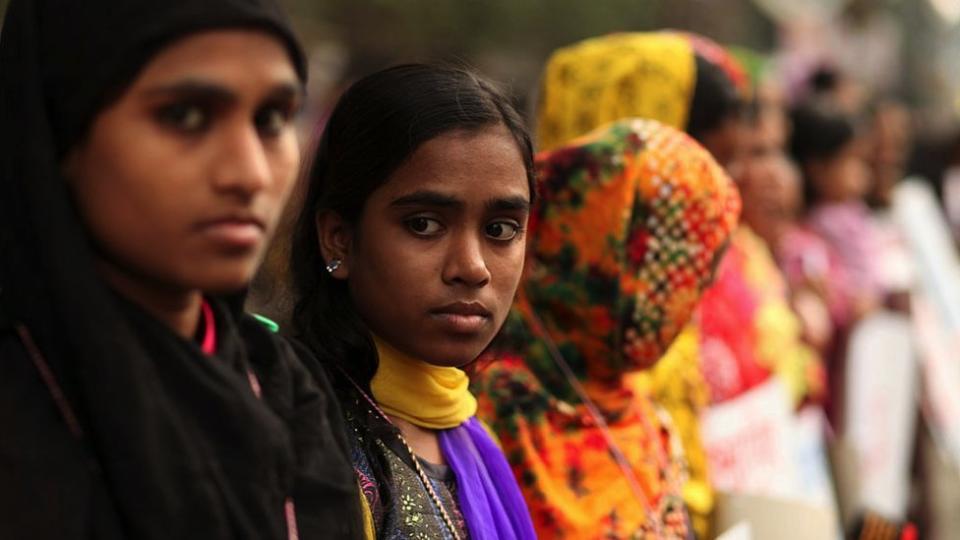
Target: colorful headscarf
[(626, 75), (603, 79), (650, 75), (623, 240), (624, 237), (725, 59), (755, 66)]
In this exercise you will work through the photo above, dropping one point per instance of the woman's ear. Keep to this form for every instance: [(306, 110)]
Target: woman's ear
[(335, 237)]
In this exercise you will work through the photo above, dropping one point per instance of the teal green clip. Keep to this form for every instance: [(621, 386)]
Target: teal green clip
[(271, 325)]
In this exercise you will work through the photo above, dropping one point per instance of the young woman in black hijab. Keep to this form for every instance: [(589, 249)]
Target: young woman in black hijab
[(146, 150)]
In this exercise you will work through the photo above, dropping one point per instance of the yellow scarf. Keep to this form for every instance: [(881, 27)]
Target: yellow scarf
[(425, 395), (599, 80)]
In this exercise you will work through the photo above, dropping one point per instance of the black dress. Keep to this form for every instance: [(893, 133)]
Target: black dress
[(52, 484)]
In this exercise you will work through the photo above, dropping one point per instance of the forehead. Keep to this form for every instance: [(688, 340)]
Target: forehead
[(470, 165), (223, 55)]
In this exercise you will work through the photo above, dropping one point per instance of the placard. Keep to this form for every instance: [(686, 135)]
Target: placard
[(936, 308), (749, 442), (880, 411)]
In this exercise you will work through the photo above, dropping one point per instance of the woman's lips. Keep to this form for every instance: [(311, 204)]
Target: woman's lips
[(462, 317), (234, 233)]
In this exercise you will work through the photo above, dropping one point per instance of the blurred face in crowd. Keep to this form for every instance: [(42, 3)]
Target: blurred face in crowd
[(762, 152), (755, 171), (845, 176), (181, 180), (768, 181), (434, 261), (773, 112), (891, 143), (726, 143)]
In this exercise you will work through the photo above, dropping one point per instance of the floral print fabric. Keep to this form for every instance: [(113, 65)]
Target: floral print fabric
[(626, 233)]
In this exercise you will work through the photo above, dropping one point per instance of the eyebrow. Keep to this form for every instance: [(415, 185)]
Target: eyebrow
[(428, 198), (509, 204), (441, 200), (204, 90)]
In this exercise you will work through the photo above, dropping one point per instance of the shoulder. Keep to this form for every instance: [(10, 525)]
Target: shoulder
[(286, 369), (43, 467), (325, 488)]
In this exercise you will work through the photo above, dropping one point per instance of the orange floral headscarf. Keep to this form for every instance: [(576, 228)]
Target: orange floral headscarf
[(625, 236)]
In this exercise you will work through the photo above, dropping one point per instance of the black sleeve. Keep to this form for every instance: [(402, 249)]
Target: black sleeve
[(326, 494), (47, 490)]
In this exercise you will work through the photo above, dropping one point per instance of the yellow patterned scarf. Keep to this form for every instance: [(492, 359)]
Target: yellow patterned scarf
[(425, 395), (596, 81)]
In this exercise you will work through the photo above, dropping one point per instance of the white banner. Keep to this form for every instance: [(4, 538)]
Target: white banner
[(936, 308), (880, 411), (749, 442)]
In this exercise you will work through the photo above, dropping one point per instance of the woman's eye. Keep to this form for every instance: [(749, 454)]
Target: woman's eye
[(270, 121), (503, 230), (424, 226), (186, 117)]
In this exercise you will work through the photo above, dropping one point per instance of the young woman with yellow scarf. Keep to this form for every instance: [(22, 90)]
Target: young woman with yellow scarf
[(406, 259)]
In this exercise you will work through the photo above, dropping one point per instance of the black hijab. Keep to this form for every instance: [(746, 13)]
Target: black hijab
[(180, 443)]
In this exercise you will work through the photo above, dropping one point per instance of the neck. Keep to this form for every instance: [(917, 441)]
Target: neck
[(423, 441), (178, 309), (421, 398), (775, 233)]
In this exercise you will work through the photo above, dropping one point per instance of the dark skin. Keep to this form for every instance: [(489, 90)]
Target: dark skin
[(181, 180), (756, 177), (436, 257), (726, 142), (770, 188), (844, 176)]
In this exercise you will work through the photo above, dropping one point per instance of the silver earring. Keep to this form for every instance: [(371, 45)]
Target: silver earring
[(333, 265)]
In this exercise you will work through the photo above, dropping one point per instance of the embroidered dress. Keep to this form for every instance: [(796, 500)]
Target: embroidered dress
[(407, 511), (623, 239), (475, 489)]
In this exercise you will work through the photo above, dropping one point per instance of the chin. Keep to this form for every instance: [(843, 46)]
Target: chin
[(226, 282), (455, 354)]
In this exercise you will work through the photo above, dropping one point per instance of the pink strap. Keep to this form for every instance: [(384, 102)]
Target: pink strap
[(209, 342), (292, 532), (46, 374)]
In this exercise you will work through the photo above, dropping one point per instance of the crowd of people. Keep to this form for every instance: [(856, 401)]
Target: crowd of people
[(644, 312)]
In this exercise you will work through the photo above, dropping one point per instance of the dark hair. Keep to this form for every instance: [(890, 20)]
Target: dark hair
[(715, 99), (378, 124), (824, 80), (820, 132)]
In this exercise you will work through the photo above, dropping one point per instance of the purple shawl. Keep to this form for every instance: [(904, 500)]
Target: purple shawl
[(489, 496)]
